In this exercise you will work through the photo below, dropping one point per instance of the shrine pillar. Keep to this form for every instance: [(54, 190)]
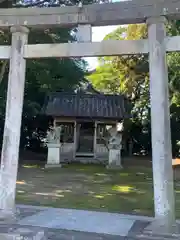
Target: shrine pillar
[(160, 122), (75, 140), (12, 128), (95, 138)]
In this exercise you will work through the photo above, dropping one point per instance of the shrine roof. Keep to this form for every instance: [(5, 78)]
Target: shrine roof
[(87, 105)]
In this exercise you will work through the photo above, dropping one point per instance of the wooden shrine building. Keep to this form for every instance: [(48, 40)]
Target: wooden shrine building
[(84, 116)]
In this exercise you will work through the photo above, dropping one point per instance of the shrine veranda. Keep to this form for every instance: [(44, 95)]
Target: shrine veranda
[(155, 14)]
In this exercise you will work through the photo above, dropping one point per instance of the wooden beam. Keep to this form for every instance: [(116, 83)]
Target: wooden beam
[(64, 120), (94, 49), (124, 12)]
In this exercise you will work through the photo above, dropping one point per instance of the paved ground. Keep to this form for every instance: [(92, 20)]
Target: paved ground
[(60, 234), (66, 224), (80, 220)]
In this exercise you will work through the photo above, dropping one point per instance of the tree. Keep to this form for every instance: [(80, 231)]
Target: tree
[(129, 75), (42, 76)]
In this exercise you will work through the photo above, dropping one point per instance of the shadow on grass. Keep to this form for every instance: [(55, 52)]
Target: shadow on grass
[(90, 187)]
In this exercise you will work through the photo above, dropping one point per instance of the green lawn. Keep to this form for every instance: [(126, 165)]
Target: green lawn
[(89, 187)]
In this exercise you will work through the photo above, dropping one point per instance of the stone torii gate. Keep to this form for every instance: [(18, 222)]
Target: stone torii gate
[(154, 13)]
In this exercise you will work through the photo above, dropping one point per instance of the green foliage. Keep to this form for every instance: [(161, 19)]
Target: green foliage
[(42, 76), (130, 75), (125, 74)]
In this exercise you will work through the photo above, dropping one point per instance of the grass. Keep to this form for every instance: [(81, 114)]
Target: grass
[(89, 187)]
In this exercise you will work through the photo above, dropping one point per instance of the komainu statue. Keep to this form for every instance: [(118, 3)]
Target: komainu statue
[(54, 135)]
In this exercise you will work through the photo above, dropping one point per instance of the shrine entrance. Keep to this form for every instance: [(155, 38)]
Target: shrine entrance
[(85, 141)]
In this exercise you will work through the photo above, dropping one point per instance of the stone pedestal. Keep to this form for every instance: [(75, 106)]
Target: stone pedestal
[(114, 158), (53, 158)]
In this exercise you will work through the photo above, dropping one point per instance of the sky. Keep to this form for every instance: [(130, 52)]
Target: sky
[(98, 33)]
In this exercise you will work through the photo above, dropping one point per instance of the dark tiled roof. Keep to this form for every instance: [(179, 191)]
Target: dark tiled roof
[(87, 106)]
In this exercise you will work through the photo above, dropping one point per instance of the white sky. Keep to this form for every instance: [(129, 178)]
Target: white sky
[(98, 33)]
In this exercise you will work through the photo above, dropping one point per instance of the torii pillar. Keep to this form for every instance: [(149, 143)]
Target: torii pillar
[(12, 128), (160, 122)]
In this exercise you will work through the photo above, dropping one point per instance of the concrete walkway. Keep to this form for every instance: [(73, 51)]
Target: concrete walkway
[(83, 221), (71, 224), (78, 220)]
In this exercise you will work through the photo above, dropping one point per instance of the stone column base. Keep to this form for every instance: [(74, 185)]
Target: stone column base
[(53, 165), (114, 167), (158, 228), (9, 216)]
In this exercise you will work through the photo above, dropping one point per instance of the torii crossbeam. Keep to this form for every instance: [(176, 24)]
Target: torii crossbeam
[(124, 12)]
